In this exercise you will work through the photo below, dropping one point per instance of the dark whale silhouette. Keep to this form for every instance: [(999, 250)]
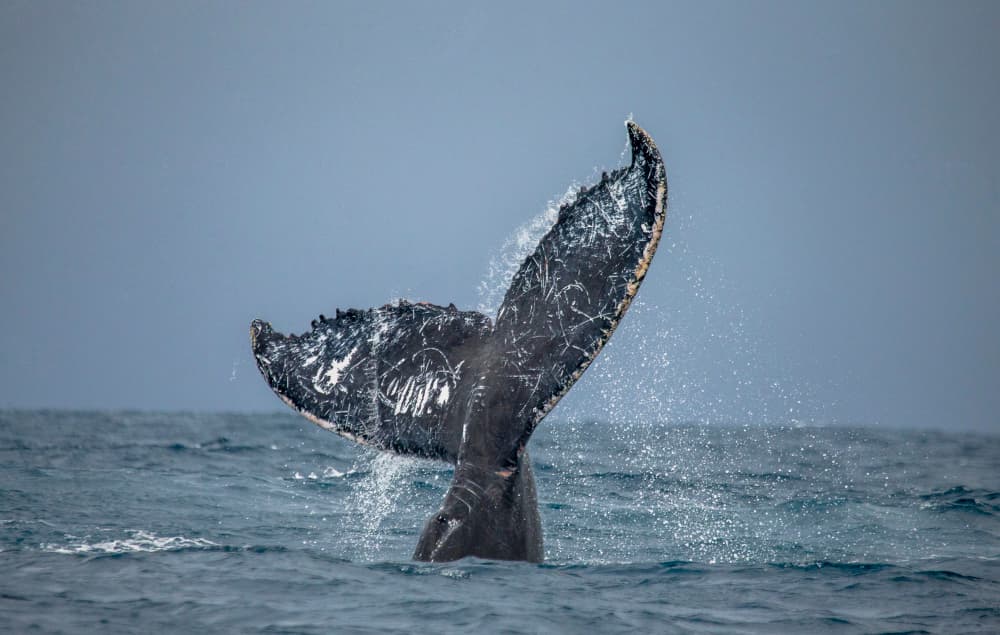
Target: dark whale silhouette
[(440, 383)]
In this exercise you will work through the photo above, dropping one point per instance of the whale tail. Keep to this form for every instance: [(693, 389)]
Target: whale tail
[(441, 383)]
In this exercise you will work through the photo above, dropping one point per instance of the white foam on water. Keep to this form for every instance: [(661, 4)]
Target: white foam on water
[(139, 541)]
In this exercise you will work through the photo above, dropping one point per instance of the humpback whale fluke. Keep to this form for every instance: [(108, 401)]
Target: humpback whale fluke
[(440, 383)]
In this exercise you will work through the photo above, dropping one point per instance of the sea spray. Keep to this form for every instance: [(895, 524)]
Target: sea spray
[(375, 495)]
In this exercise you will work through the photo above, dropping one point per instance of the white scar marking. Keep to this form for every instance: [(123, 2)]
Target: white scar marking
[(324, 382), (442, 398), (419, 394)]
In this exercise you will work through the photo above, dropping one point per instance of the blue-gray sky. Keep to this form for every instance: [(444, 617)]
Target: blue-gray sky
[(169, 171)]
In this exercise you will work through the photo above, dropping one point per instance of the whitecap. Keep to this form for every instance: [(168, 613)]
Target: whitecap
[(139, 541)]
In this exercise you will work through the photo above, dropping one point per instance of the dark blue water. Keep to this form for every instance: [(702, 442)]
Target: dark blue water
[(128, 522)]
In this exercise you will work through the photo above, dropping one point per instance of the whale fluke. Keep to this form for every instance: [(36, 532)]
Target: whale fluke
[(441, 383), (383, 377)]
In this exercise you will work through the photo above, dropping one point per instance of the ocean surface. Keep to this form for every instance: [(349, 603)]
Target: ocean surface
[(123, 522)]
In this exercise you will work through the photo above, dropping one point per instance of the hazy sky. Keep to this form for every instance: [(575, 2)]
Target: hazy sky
[(171, 170)]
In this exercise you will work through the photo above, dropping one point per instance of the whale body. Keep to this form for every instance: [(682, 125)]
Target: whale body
[(437, 382)]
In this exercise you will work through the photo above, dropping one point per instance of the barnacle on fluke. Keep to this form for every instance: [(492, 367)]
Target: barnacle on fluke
[(440, 383)]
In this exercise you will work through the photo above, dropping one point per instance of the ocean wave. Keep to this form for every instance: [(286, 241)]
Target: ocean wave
[(851, 568), (139, 541), (963, 499), (327, 473)]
